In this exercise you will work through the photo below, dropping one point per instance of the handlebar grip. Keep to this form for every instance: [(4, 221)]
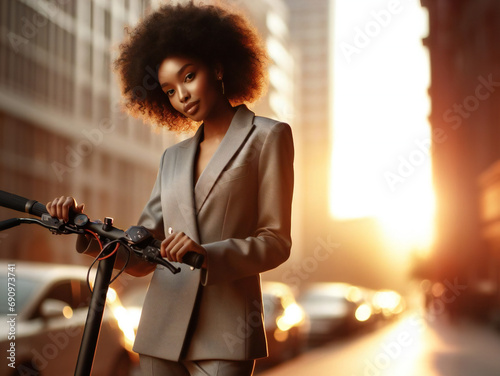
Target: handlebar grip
[(38, 209), (190, 258), (194, 259), (22, 204)]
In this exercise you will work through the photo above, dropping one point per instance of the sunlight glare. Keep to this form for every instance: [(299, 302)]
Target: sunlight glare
[(381, 158)]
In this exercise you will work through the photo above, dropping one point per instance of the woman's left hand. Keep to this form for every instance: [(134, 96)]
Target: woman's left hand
[(177, 244)]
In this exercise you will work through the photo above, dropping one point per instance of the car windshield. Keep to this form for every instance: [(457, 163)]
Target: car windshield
[(324, 303), (21, 291)]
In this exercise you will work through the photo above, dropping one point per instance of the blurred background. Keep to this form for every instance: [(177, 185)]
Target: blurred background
[(396, 214)]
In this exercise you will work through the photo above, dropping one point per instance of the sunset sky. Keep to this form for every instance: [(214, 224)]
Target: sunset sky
[(381, 162)]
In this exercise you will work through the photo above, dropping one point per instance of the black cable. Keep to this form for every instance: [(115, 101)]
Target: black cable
[(106, 246), (127, 247)]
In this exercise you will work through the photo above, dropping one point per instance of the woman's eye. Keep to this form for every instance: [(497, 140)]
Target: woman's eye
[(170, 92), (189, 77)]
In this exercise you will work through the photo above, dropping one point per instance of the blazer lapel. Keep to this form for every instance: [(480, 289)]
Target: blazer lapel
[(184, 170), (239, 128)]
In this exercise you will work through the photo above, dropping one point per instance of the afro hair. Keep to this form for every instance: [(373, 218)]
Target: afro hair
[(207, 33)]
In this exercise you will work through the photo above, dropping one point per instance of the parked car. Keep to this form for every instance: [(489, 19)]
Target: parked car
[(285, 322), (44, 309), (331, 310)]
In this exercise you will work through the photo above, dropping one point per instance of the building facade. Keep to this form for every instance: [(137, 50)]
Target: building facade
[(311, 35), (465, 77)]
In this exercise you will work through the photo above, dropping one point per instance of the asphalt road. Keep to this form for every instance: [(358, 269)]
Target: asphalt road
[(415, 345)]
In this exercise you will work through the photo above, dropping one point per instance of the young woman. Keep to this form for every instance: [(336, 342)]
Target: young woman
[(225, 193)]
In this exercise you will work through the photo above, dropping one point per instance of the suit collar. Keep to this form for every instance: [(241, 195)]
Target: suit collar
[(240, 126), (190, 204)]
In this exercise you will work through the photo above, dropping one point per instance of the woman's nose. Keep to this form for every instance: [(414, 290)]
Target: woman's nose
[(183, 94)]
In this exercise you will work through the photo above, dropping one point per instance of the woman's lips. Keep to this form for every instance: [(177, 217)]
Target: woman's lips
[(191, 107)]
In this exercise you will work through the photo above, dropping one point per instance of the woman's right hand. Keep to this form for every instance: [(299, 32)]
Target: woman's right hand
[(61, 206)]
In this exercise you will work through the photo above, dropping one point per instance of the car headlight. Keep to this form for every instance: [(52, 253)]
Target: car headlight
[(292, 316), (363, 312)]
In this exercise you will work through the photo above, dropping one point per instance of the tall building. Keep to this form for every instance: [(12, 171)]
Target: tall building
[(310, 34), (61, 128), (465, 76), (271, 18)]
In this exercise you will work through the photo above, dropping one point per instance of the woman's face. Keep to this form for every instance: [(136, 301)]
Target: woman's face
[(191, 86)]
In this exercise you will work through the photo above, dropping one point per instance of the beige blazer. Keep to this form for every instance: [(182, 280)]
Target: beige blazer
[(239, 211)]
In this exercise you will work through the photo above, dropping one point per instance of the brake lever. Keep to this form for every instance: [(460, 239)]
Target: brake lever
[(141, 239), (152, 254)]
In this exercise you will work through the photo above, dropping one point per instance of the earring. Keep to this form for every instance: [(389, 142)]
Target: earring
[(222, 83)]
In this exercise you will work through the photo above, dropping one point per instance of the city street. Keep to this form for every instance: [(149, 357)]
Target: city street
[(411, 346)]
